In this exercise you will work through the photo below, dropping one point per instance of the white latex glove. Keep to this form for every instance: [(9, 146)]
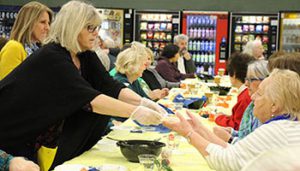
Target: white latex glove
[(154, 106), (146, 116), (20, 164)]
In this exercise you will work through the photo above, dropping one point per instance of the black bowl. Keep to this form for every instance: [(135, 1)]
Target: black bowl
[(223, 91), (132, 148)]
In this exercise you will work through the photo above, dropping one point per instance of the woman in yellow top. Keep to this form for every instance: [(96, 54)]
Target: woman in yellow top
[(29, 30)]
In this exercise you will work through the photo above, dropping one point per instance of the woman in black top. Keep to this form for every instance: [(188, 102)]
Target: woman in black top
[(65, 81)]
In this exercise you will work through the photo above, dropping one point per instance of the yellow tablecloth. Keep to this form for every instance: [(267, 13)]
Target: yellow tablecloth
[(185, 158)]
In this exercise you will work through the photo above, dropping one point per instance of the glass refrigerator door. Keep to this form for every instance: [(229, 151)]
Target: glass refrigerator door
[(250, 27), (290, 32), (201, 30), (156, 29), (112, 25)]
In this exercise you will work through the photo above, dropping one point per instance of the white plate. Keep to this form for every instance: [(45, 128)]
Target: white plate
[(111, 167), (70, 167), (78, 167), (122, 127)]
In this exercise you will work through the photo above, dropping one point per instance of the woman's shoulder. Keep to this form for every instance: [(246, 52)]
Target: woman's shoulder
[(15, 45)]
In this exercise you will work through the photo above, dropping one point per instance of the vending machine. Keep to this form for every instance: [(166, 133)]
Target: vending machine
[(208, 37), (156, 29), (117, 24), (8, 15), (250, 26), (289, 31)]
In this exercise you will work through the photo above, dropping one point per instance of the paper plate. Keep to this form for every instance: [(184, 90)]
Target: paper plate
[(111, 167)]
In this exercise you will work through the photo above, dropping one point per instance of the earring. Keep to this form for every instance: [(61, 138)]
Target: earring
[(272, 116)]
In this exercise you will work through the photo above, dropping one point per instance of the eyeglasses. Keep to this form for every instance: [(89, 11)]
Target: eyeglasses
[(250, 80), (92, 28)]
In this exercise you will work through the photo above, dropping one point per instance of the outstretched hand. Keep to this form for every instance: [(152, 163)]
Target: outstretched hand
[(178, 124)]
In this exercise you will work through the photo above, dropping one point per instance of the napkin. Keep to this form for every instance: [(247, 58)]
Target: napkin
[(190, 102)]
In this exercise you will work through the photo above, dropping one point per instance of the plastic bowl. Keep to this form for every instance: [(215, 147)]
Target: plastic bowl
[(132, 148)]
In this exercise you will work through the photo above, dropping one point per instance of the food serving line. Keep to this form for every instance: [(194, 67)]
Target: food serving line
[(179, 153)]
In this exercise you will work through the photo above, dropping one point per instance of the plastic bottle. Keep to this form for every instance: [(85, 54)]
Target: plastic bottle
[(198, 45), (194, 45), (190, 45)]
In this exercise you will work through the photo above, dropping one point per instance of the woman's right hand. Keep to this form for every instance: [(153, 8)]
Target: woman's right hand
[(146, 116), (20, 164), (222, 133)]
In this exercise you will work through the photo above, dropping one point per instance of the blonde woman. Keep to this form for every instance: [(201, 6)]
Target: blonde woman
[(67, 82), (276, 105), (29, 30)]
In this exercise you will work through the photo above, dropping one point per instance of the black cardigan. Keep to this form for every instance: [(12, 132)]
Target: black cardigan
[(47, 88)]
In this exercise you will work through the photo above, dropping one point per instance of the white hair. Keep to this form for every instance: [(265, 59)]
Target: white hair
[(248, 49), (258, 69), (129, 60), (180, 37), (284, 91), (69, 22)]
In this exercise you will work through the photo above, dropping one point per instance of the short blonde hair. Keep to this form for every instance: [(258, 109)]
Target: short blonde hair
[(69, 22), (28, 15), (284, 90), (129, 60), (150, 53)]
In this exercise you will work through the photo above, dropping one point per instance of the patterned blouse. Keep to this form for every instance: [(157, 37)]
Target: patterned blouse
[(4, 160)]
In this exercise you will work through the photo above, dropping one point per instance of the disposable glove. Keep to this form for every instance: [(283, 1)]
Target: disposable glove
[(146, 116)]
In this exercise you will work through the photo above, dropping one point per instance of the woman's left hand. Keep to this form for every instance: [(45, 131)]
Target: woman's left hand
[(179, 124)]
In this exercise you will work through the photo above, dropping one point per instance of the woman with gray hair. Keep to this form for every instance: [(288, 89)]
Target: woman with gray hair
[(276, 105), (255, 49), (185, 63), (256, 73), (68, 83)]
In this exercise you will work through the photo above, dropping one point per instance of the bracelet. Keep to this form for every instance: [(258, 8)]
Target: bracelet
[(188, 136)]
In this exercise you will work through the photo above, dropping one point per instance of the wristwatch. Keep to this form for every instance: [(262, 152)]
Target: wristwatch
[(230, 140)]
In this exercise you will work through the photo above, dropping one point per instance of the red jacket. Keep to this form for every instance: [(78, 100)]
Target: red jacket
[(237, 112)]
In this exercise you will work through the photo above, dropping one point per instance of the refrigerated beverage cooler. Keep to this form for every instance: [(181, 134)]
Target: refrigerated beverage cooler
[(289, 31), (156, 29), (208, 37), (250, 26), (117, 24)]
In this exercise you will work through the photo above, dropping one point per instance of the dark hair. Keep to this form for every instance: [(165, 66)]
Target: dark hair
[(238, 64), (289, 61), (170, 51)]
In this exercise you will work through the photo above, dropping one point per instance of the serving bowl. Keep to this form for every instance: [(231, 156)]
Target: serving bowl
[(132, 148)]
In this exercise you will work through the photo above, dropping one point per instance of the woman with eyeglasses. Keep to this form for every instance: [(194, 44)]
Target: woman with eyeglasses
[(28, 32), (65, 81), (276, 105), (237, 69), (256, 73)]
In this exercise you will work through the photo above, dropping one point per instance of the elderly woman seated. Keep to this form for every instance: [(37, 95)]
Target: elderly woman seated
[(237, 70), (255, 48), (276, 105), (130, 65), (256, 73), (166, 65)]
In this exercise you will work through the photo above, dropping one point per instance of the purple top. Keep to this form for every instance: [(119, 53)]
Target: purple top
[(169, 71)]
